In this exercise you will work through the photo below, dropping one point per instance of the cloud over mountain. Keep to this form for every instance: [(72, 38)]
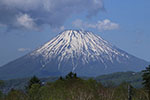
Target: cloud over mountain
[(32, 14), (99, 25), (23, 49)]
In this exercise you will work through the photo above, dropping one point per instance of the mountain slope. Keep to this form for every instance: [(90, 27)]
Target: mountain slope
[(73, 50)]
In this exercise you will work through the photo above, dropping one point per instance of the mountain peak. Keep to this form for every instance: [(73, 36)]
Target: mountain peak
[(82, 52), (75, 32), (78, 45)]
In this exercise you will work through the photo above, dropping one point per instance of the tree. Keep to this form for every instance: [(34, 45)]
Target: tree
[(71, 75), (34, 92), (121, 91), (1, 84), (15, 95), (33, 80), (146, 80), (130, 92), (1, 95), (60, 78), (1, 88)]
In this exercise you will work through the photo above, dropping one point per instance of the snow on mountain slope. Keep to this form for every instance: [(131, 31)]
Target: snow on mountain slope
[(76, 44)]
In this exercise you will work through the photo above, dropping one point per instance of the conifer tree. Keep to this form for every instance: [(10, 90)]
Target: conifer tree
[(33, 80), (60, 78), (71, 75), (146, 80)]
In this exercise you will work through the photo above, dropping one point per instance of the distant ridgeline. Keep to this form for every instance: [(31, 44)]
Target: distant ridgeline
[(134, 78)]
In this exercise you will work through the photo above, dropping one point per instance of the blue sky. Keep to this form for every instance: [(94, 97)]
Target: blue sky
[(124, 23)]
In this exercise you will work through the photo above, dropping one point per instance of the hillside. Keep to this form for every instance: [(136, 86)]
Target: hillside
[(116, 78), (107, 80)]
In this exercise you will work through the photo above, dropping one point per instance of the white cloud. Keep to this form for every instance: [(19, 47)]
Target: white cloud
[(99, 25), (106, 25), (62, 28), (79, 23), (44, 12), (58, 29), (26, 21), (24, 49)]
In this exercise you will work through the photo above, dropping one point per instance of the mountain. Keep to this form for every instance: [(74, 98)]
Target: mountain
[(79, 51)]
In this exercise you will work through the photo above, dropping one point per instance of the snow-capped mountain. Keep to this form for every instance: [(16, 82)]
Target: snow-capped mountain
[(79, 46), (79, 51)]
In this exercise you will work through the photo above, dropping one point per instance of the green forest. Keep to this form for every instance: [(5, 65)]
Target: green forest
[(71, 87)]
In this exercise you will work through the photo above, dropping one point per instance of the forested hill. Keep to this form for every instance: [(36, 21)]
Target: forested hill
[(117, 78), (108, 80)]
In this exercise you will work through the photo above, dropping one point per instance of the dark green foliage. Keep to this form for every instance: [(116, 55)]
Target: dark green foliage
[(1, 84), (71, 75), (146, 79), (60, 78), (1, 87), (33, 93), (73, 88), (15, 95), (110, 80), (121, 91), (1, 95), (33, 80)]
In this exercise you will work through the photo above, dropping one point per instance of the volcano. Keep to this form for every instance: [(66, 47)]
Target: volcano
[(79, 51)]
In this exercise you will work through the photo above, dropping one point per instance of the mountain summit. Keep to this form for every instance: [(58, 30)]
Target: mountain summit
[(79, 51)]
